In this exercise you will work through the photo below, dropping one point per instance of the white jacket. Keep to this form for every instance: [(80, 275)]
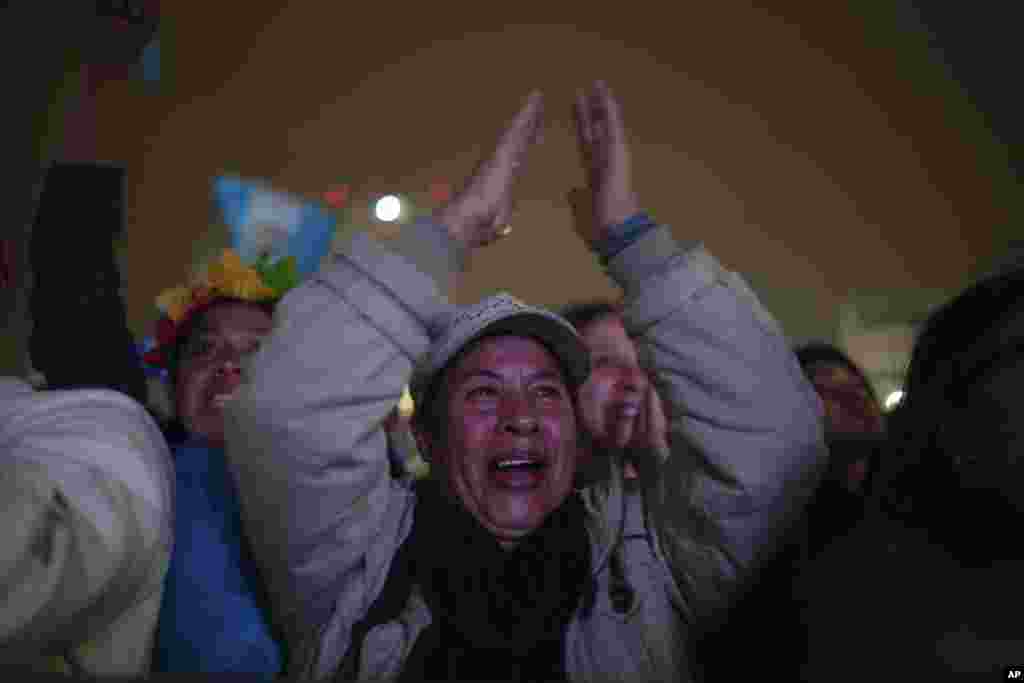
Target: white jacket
[(86, 504)]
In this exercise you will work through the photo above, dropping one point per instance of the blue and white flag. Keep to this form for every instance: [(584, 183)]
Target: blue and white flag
[(265, 223)]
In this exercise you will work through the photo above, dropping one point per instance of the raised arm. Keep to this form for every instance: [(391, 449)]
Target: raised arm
[(745, 438), (738, 406), (306, 434)]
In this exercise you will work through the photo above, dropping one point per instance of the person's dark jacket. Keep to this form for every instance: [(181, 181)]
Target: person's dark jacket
[(80, 337)]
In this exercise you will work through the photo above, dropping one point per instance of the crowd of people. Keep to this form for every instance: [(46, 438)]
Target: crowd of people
[(658, 487)]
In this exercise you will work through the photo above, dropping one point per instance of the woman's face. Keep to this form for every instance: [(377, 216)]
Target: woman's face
[(849, 405), (849, 409), (510, 449), (617, 384), (210, 367)]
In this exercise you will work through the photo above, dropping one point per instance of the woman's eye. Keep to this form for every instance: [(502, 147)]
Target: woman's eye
[(549, 392), (481, 393), (251, 347), (199, 348)]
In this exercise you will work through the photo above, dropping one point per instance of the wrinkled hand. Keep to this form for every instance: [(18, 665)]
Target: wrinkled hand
[(634, 439), (606, 162), (476, 215)]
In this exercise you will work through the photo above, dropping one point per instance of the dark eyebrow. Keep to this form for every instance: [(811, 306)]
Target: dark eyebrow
[(490, 374), (548, 374)]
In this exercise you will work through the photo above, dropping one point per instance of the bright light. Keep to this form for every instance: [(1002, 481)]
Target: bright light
[(893, 399), (388, 208)]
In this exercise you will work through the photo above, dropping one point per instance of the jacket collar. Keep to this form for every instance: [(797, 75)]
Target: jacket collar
[(605, 505)]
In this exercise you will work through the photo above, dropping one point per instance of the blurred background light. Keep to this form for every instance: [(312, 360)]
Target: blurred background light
[(893, 399), (388, 208), (405, 404)]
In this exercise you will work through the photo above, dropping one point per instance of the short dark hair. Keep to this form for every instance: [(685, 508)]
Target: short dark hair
[(819, 352), (957, 339), (957, 347), (430, 413)]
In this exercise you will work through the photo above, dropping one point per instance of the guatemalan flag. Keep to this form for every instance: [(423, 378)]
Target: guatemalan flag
[(266, 223)]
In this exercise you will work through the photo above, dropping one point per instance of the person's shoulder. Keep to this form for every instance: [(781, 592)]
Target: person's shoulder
[(93, 412), (880, 560), (90, 427), (880, 539), (16, 393), (14, 387)]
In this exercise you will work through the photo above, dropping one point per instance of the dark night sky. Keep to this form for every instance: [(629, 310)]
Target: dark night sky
[(820, 151)]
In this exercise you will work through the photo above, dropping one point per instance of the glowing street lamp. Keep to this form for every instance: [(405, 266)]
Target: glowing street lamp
[(388, 208)]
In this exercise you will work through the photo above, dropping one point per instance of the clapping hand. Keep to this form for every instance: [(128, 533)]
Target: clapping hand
[(609, 198), (480, 212)]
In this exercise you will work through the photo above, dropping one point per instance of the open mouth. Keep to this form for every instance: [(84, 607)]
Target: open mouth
[(627, 409), (518, 471), (517, 464), (219, 400)]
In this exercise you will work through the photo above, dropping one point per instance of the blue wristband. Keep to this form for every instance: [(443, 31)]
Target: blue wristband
[(624, 234)]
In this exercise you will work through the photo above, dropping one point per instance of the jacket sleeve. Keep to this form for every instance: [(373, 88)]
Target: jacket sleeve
[(86, 485), (305, 433), (746, 442)]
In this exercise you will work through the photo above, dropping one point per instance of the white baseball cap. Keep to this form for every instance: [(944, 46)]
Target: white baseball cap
[(501, 314)]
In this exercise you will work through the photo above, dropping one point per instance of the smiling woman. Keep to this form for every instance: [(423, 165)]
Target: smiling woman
[(209, 362), (616, 392), (212, 618)]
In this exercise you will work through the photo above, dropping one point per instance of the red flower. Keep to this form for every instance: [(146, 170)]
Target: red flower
[(336, 196), (166, 331), (156, 358), (440, 191)]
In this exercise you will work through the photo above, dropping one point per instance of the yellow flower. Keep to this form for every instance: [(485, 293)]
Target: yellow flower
[(230, 277), (227, 276), (250, 288), (174, 302)]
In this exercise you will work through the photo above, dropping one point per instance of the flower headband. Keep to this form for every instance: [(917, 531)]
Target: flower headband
[(226, 278)]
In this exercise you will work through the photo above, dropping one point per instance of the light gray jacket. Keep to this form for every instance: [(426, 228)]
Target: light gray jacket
[(306, 441)]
